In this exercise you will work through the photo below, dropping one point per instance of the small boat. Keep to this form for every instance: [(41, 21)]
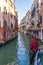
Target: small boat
[(38, 60)]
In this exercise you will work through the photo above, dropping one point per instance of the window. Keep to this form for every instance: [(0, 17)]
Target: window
[(4, 34), (42, 32), (6, 0), (33, 11), (37, 5), (11, 5), (14, 17), (41, 3), (0, 23), (38, 25), (11, 25), (32, 23), (5, 24), (11, 16), (0, 9), (40, 19), (5, 10), (14, 8)]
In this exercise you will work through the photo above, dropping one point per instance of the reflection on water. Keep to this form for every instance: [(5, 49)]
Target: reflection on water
[(16, 52)]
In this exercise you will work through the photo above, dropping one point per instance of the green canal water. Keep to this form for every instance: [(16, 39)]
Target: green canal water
[(16, 52)]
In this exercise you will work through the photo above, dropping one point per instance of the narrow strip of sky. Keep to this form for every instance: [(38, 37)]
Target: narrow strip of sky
[(22, 7)]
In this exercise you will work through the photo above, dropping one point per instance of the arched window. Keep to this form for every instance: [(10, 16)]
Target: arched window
[(5, 24)]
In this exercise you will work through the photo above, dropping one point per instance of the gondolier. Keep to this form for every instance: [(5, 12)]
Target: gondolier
[(33, 48)]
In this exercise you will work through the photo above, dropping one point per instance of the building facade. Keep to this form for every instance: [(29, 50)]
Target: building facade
[(37, 18), (34, 19), (23, 24), (8, 20), (28, 22)]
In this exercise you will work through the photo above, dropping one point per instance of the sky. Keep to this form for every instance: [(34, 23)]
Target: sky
[(22, 6)]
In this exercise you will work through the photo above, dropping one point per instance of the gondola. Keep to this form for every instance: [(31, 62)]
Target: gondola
[(38, 60)]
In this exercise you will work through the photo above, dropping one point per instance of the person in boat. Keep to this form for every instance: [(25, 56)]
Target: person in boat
[(33, 47)]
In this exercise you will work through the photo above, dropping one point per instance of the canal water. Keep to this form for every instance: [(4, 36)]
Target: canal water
[(16, 52)]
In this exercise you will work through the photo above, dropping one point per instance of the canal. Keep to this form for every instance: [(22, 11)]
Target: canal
[(16, 52)]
